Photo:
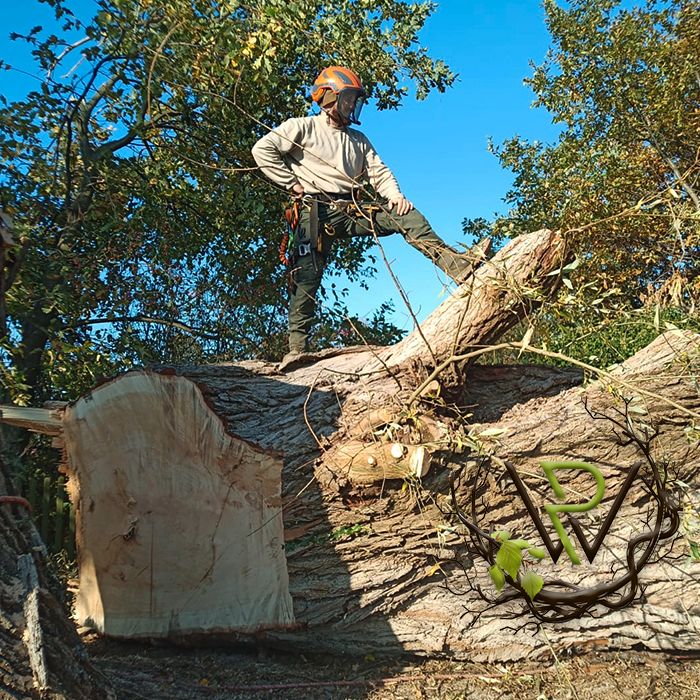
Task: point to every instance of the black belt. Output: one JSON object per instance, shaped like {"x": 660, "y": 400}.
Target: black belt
{"x": 333, "y": 197}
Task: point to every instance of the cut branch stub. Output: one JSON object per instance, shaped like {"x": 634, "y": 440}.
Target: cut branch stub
{"x": 367, "y": 463}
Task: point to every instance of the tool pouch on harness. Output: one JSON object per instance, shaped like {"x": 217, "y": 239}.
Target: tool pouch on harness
{"x": 301, "y": 240}
{"x": 302, "y": 237}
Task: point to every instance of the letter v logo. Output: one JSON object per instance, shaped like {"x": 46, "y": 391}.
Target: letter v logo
{"x": 554, "y": 509}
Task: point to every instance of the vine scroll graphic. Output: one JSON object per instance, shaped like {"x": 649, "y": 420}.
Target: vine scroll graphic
{"x": 556, "y": 599}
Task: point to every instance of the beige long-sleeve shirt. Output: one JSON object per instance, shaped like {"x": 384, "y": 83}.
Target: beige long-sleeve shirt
{"x": 322, "y": 158}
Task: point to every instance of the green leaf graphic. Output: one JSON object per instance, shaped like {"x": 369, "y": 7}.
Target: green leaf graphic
{"x": 497, "y": 576}
{"x": 537, "y": 552}
{"x": 532, "y": 583}
{"x": 509, "y": 558}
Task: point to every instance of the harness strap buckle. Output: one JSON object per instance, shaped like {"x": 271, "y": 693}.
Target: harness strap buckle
{"x": 304, "y": 249}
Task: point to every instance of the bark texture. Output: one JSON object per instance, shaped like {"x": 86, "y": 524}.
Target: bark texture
{"x": 41, "y": 653}
{"x": 363, "y": 560}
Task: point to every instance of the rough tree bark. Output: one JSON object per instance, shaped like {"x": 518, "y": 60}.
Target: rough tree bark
{"x": 41, "y": 655}
{"x": 377, "y": 559}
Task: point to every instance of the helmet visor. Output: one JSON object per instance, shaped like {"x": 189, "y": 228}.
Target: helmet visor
{"x": 350, "y": 104}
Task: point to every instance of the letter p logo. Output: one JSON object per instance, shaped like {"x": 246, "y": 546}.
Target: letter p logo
{"x": 553, "y": 509}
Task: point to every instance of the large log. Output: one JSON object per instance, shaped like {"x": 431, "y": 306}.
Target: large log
{"x": 363, "y": 561}
{"x": 383, "y": 564}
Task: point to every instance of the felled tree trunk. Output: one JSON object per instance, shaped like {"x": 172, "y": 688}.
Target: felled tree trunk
{"x": 376, "y": 558}
{"x": 42, "y": 655}
{"x": 385, "y": 567}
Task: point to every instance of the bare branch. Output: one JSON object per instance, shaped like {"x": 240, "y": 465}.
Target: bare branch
{"x": 64, "y": 53}
{"x": 146, "y": 319}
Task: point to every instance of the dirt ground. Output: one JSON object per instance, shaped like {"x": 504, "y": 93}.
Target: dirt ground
{"x": 139, "y": 671}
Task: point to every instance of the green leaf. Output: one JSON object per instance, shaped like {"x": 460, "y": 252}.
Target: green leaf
{"x": 537, "y": 552}
{"x": 509, "y": 558}
{"x": 523, "y": 544}
{"x": 572, "y": 265}
{"x": 501, "y": 535}
{"x": 694, "y": 551}
{"x": 532, "y": 583}
{"x": 499, "y": 580}
{"x": 493, "y": 432}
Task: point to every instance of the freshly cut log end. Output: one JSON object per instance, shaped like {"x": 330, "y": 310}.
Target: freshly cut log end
{"x": 420, "y": 462}
{"x": 367, "y": 463}
{"x": 179, "y": 524}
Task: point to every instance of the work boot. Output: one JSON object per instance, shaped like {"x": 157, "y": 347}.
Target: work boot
{"x": 292, "y": 360}
{"x": 295, "y": 355}
{"x": 471, "y": 259}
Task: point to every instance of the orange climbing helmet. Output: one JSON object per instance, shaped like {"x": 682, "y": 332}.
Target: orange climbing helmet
{"x": 346, "y": 85}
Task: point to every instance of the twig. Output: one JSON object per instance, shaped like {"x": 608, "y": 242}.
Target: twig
{"x": 552, "y": 355}
{"x": 306, "y": 403}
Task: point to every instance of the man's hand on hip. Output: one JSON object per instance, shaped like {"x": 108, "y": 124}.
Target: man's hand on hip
{"x": 400, "y": 205}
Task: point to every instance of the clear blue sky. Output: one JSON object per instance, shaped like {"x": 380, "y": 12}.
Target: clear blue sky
{"x": 437, "y": 147}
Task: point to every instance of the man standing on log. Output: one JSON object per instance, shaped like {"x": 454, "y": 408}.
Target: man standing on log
{"x": 324, "y": 164}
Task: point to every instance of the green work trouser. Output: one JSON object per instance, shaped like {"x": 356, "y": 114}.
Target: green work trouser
{"x": 335, "y": 223}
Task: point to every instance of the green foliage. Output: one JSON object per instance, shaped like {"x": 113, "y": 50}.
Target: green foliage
{"x": 621, "y": 182}
{"x": 602, "y": 336}
{"x": 145, "y": 233}
{"x": 532, "y": 583}
{"x": 537, "y": 552}
{"x": 497, "y": 576}
{"x": 509, "y": 560}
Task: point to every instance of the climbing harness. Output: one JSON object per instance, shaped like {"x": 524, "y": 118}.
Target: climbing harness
{"x": 291, "y": 215}
{"x": 291, "y": 247}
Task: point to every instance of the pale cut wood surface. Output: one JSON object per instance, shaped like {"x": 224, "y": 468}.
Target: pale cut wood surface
{"x": 179, "y": 523}
{"x": 40, "y": 420}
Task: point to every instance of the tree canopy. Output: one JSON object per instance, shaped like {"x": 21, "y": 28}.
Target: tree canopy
{"x": 622, "y": 180}
{"x": 144, "y": 232}
{"x": 625, "y": 86}
{"x": 143, "y": 229}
